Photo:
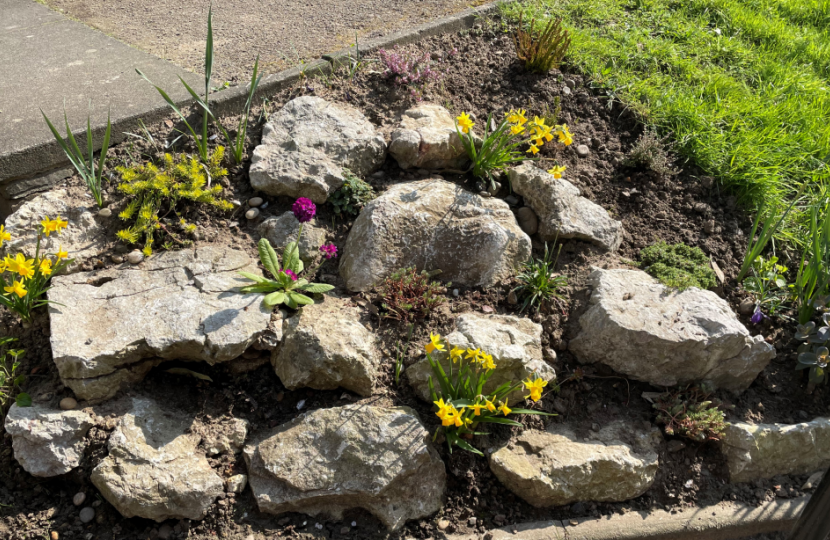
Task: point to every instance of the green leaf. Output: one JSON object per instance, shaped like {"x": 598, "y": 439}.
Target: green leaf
{"x": 23, "y": 400}
{"x": 274, "y": 299}
{"x": 290, "y": 302}
{"x": 317, "y": 288}
{"x": 498, "y": 420}
{"x": 189, "y": 373}
{"x": 260, "y": 288}
{"x": 253, "y": 277}
{"x": 467, "y": 446}
{"x": 291, "y": 257}
{"x": 531, "y": 411}
{"x": 268, "y": 256}
{"x": 301, "y": 299}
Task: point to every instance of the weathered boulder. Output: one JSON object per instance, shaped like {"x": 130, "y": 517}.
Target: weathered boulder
{"x": 358, "y": 456}
{"x": 555, "y": 467}
{"x": 306, "y": 145}
{"x": 766, "y": 450}
{"x": 666, "y": 337}
{"x": 427, "y": 139}
{"x": 563, "y": 212}
{"x": 433, "y": 224}
{"x": 47, "y": 442}
{"x": 84, "y": 237}
{"x": 515, "y": 343}
{"x": 283, "y": 229}
{"x": 176, "y": 305}
{"x": 154, "y": 469}
{"x": 326, "y": 347}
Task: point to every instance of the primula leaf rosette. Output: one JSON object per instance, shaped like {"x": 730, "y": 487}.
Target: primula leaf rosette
{"x": 460, "y": 399}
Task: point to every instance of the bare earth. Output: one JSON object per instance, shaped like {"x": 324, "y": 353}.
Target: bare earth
{"x": 282, "y": 32}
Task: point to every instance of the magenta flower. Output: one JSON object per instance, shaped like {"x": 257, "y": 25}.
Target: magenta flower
{"x": 291, "y": 274}
{"x": 329, "y": 250}
{"x": 304, "y": 209}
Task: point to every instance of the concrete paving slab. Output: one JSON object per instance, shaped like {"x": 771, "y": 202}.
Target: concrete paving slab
{"x": 50, "y": 60}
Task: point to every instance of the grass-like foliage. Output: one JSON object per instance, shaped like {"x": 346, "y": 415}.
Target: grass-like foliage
{"x": 650, "y": 152}
{"x": 460, "y": 398}
{"x": 813, "y": 353}
{"x": 812, "y": 282}
{"x": 155, "y": 192}
{"x": 11, "y": 377}
{"x": 84, "y": 164}
{"x": 237, "y": 142}
{"x": 758, "y": 240}
{"x": 352, "y": 195}
{"x": 678, "y": 265}
{"x": 408, "y": 294}
{"x": 538, "y": 281}
{"x": 541, "y": 51}
{"x": 691, "y": 413}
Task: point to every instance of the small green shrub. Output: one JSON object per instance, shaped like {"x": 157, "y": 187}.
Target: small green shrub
{"x": 155, "y": 190}
{"x": 650, "y": 152}
{"x": 538, "y": 281}
{"x": 408, "y": 294}
{"x": 691, "y": 414}
{"x": 542, "y": 51}
{"x": 352, "y": 195}
{"x": 678, "y": 265}
{"x": 11, "y": 377}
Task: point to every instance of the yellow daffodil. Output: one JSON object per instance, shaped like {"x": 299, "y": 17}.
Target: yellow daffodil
{"x": 476, "y": 407}
{"x": 46, "y": 267}
{"x": 2, "y": 267}
{"x": 4, "y": 236}
{"x": 489, "y": 406}
{"x": 538, "y": 142}
{"x": 515, "y": 130}
{"x": 50, "y": 225}
{"x": 520, "y": 117}
{"x": 10, "y": 264}
{"x": 16, "y": 288}
{"x": 23, "y": 266}
{"x": 533, "y": 149}
{"x": 534, "y": 387}
{"x": 487, "y": 361}
{"x": 434, "y": 343}
{"x": 60, "y": 224}
{"x": 465, "y": 122}
{"x": 565, "y": 136}
{"x": 472, "y": 354}
{"x": 504, "y": 408}
{"x": 61, "y": 254}
{"x": 557, "y": 171}
{"x": 456, "y": 353}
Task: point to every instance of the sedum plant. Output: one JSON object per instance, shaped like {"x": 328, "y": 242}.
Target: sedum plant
{"x": 24, "y": 281}
{"x": 501, "y": 148}
{"x": 154, "y": 191}
{"x": 542, "y": 51}
{"x": 538, "y": 282}
{"x": 814, "y": 354}
{"x": 461, "y": 402}
{"x": 690, "y": 413}
{"x": 288, "y": 286}
{"x": 352, "y": 195}
{"x": 408, "y": 294}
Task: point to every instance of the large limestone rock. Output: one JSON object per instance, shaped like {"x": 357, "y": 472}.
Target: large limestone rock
{"x": 283, "y": 229}
{"x": 767, "y": 450}
{"x": 515, "y": 343}
{"x": 563, "y": 212}
{"x": 84, "y": 237}
{"x": 326, "y": 347}
{"x": 434, "y": 225}
{"x": 427, "y": 139}
{"x": 555, "y": 467}
{"x": 154, "y": 469}
{"x": 306, "y": 144}
{"x": 47, "y": 442}
{"x": 111, "y": 324}
{"x": 666, "y": 337}
{"x": 358, "y": 456}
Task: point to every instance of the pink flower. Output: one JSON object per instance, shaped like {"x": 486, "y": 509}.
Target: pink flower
{"x": 291, "y": 274}
{"x": 329, "y": 250}
{"x": 303, "y": 209}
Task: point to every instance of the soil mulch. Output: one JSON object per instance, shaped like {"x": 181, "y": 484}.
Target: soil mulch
{"x": 481, "y": 76}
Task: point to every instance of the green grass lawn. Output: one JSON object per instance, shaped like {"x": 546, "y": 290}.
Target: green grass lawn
{"x": 743, "y": 85}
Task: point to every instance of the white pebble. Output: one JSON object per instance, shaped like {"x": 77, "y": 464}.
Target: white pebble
{"x": 253, "y": 213}
{"x": 79, "y": 498}
{"x": 254, "y": 201}
{"x": 300, "y": 404}
{"x": 135, "y": 257}
{"x": 68, "y": 403}
{"x": 105, "y": 212}
{"x": 455, "y": 292}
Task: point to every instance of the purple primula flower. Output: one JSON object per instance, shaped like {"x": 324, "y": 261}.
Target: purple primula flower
{"x": 291, "y": 274}
{"x": 303, "y": 209}
{"x": 329, "y": 250}
{"x": 758, "y": 316}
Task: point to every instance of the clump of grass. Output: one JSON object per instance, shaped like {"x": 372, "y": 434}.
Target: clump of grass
{"x": 352, "y": 195}
{"x": 650, "y": 152}
{"x": 538, "y": 281}
{"x": 11, "y": 377}
{"x": 678, "y": 265}
{"x": 408, "y": 294}
{"x": 544, "y": 50}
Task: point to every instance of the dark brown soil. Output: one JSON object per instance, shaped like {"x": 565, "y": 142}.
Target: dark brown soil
{"x": 482, "y": 76}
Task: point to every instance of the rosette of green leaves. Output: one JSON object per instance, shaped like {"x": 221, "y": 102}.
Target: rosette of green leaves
{"x": 282, "y": 289}
{"x": 814, "y": 354}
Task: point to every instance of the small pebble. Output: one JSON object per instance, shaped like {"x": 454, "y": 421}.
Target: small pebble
{"x": 87, "y": 514}
{"x": 472, "y": 521}
{"x": 104, "y": 212}
{"x": 511, "y": 298}
{"x": 253, "y": 213}
{"x": 79, "y": 499}
{"x": 165, "y": 532}
{"x": 117, "y": 259}
{"x": 595, "y": 427}
{"x": 254, "y": 201}
{"x": 747, "y": 306}
{"x": 455, "y": 292}
{"x": 68, "y": 403}
{"x": 571, "y": 83}
{"x": 264, "y": 205}
{"x": 710, "y": 226}
{"x": 443, "y": 524}
{"x": 300, "y": 404}
{"x": 135, "y": 257}
{"x": 582, "y": 150}
{"x": 566, "y": 90}
{"x": 54, "y": 535}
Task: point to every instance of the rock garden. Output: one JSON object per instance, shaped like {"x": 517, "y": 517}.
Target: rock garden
{"x": 446, "y": 288}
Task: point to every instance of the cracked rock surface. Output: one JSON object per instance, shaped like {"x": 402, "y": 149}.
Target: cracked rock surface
{"x": 109, "y": 327}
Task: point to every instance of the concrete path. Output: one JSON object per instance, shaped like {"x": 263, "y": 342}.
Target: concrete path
{"x": 49, "y": 60}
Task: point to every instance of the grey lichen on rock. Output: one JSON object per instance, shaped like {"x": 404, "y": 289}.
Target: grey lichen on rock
{"x": 358, "y": 456}
{"x": 556, "y": 467}
{"x": 665, "y": 337}
{"x": 306, "y": 145}
{"x": 427, "y": 139}
{"x": 433, "y": 225}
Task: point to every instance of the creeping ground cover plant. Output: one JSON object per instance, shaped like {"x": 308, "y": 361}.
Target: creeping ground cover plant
{"x": 288, "y": 286}
{"x": 461, "y": 401}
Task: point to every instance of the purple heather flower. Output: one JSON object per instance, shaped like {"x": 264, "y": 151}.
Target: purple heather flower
{"x": 329, "y": 250}
{"x": 303, "y": 209}
{"x": 291, "y": 274}
{"x": 758, "y": 316}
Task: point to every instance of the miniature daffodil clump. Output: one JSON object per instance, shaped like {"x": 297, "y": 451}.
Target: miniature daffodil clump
{"x": 461, "y": 400}
{"x": 24, "y": 280}
{"x": 513, "y": 141}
